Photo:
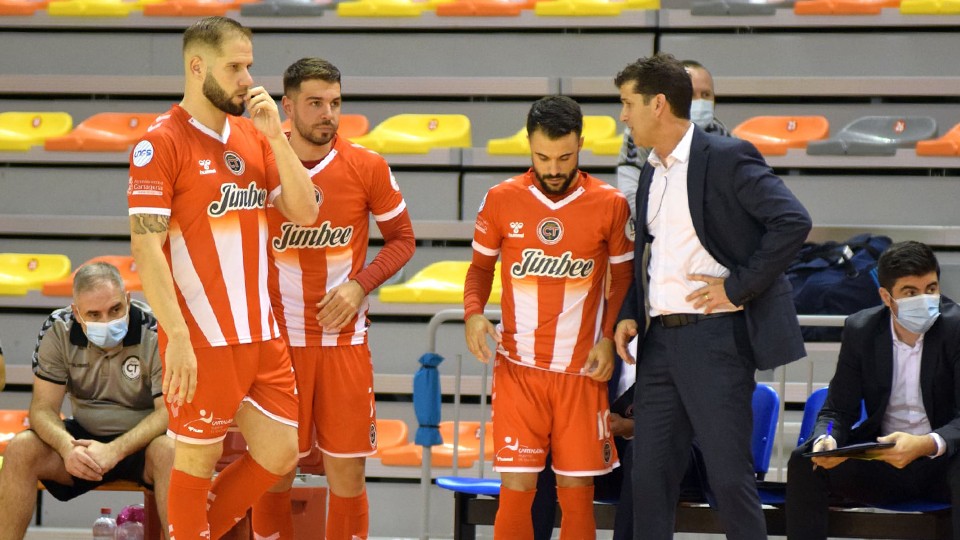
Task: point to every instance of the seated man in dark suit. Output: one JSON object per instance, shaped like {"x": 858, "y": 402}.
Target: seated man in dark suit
{"x": 902, "y": 359}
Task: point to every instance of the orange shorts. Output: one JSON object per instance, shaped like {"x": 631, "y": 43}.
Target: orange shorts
{"x": 258, "y": 373}
{"x": 536, "y": 411}
{"x": 337, "y": 405}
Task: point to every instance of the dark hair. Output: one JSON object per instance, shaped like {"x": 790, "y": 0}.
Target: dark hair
{"x": 904, "y": 259}
{"x": 308, "y": 69}
{"x": 660, "y": 74}
{"x": 555, "y": 116}
{"x": 211, "y": 31}
{"x": 92, "y": 275}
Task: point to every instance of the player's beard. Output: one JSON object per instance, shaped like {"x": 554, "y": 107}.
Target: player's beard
{"x": 306, "y": 132}
{"x": 568, "y": 179}
{"x": 219, "y": 97}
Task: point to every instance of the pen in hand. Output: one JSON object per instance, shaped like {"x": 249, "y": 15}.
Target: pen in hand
{"x": 830, "y": 428}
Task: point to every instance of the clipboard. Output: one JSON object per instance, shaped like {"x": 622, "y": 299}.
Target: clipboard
{"x": 851, "y": 451}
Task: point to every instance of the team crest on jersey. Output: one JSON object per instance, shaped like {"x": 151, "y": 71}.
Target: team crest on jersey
{"x": 607, "y": 452}
{"x": 373, "y": 435}
{"x": 234, "y": 162}
{"x": 131, "y": 368}
{"x": 550, "y": 231}
{"x": 318, "y": 195}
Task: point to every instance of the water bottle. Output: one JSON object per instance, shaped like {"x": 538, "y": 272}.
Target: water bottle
{"x": 104, "y": 527}
{"x": 130, "y": 523}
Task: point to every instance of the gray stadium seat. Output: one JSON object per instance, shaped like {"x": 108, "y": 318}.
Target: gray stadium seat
{"x": 285, "y": 8}
{"x": 876, "y": 136}
{"x": 735, "y": 7}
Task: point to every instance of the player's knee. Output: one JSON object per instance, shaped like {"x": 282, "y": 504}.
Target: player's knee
{"x": 281, "y": 459}
{"x": 160, "y": 453}
{"x": 25, "y": 450}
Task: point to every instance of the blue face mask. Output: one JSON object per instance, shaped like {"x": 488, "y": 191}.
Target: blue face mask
{"x": 701, "y": 112}
{"x": 918, "y": 313}
{"x": 109, "y": 334}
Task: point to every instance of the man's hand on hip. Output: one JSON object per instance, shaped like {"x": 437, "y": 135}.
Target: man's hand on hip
{"x": 711, "y": 296}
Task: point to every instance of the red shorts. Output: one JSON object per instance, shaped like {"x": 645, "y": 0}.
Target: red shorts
{"x": 536, "y": 411}
{"x": 258, "y": 373}
{"x": 337, "y": 405}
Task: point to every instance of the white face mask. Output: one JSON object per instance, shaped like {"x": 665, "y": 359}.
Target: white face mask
{"x": 701, "y": 112}
{"x": 108, "y": 334}
{"x": 918, "y": 313}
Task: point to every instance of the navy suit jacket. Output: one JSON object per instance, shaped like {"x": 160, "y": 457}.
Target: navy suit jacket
{"x": 748, "y": 220}
{"x": 865, "y": 372}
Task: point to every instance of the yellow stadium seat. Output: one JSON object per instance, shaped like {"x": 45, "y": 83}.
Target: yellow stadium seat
{"x": 439, "y": 283}
{"x": 579, "y": 8}
{"x": 103, "y": 132}
{"x": 609, "y": 146}
{"x": 381, "y": 8}
{"x": 595, "y": 129}
{"x": 417, "y": 133}
{"x": 20, "y": 272}
{"x": 642, "y": 4}
{"x": 91, "y": 8}
{"x": 21, "y": 130}
{"x": 930, "y": 7}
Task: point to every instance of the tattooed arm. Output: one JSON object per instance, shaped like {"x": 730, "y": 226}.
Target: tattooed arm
{"x": 148, "y": 232}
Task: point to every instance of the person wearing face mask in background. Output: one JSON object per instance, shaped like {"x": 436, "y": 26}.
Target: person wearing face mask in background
{"x": 902, "y": 359}
{"x": 632, "y": 157}
{"x": 103, "y": 351}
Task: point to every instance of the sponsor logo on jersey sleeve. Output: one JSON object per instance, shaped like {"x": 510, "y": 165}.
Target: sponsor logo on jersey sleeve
{"x": 140, "y": 186}
{"x": 142, "y": 153}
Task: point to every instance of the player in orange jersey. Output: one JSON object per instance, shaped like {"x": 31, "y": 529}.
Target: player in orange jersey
{"x": 556, "y": 229}
{"x": 200, "y": 181}
{"x": 319, "y": 288}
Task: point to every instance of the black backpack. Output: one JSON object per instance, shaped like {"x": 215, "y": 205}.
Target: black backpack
{"x": 836, "y": 278}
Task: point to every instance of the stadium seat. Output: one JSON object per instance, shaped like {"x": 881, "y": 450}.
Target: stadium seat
{"x": 11, "y": 423}
{"x": 410, "y": 454}
{"x": 948, "y": 145}
{"x": 189, "y": 8}
{"x": 579, "y": 8}
{"x": 842, "y": 7}
{"x": 470, "y": 436}
{"x": 381, "y": 8}
{"x": 876, "y": 136}
{"x": 484, "y": 8}
{"x": 773, "y": 135}
{"x": 733, "y": 8}
{"x": 20, "y": 8}
{"x": 21, "y": 130}
{"x": 20, "y": 272}
{"x": 124, "y": 263}
{"x": 596, "y": 130}
{"x": 286, "y": 8}
{"x": 930, "y": 7}
{"x": 91, "y": 8}
{"x": 438, "y": 283}
{"x": 103, "y": 132}
{"x": 417, "y": 133}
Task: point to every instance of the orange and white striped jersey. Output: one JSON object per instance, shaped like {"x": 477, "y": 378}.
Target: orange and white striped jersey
{"x": 351, "y": 183}
{"x": 554, "y": 257}
{"x": 213, "y": 186}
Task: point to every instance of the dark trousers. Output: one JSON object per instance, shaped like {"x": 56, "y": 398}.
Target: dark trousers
{"x": 695, "y": 380}
{"x": 810, "y": 492}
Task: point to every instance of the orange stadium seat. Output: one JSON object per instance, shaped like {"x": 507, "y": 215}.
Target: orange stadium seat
{"x": 103, "y": 132}
{"x": 410, "y": 454}
{"x": 21, "y": 272}
{"x": 11, "y": 423}
{"x": 189, "y": 8}
{"x": 391, "y": 433}
{"x": 21, "y": 7}
{"x": 21, "y": 130}
{"x": 470, "y": 436}
{"x": 417, "y": 133}
{"x": 843, "y": 7}
{"x": 91, "y": 8}
{"x": 773, "y": 135}
{"x": 484, "y": 8}
{"x": 948, "y": 145}
{"x": 124, "y": 263}
{"x": 351, "y": 126}
{"x": 930, "y": 7}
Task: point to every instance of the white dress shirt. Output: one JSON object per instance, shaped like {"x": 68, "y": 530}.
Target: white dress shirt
{"x": 676, "y": 250}
{"x": 905, "y": 411}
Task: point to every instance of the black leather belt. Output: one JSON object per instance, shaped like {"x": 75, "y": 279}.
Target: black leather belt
{"x": 682, "y": 319}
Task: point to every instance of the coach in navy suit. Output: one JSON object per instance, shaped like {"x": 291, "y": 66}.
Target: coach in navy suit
{"x": 721, "y": 230}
